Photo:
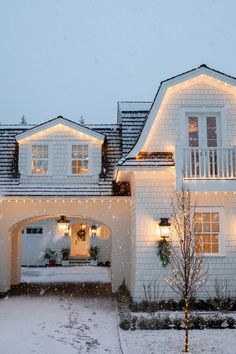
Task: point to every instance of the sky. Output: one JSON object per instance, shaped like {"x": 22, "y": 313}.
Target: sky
{"x": 80, "y": 57}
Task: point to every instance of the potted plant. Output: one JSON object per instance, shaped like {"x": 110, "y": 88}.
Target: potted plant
{"x": 50, "y": 257}
{"x": 94, "y": 255}
{"x": 65, "y": 252}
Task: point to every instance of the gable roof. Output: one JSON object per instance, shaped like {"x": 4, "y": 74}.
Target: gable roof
{"x": 60, "y": 120}
{"x": 164, "y": 85}
{"x": 10, "y": 180}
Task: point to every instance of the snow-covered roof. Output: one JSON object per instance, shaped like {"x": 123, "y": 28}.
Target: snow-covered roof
{"x": 148, "y": 160}
{"x": 9, "y": 180}
{"x": 131, "y": 116}
{"x": 123, "y": 143}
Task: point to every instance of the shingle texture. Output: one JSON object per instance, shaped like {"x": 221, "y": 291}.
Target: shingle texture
{"x": 120, "y": 138}
{"x": 132, "y": 117}
{"x": 9, "y": 185}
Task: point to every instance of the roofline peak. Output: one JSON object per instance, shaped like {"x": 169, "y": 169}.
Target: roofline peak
{"x": 204, "y": 66}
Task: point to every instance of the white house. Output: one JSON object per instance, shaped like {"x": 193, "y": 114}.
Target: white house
{"x": 122, "y": 177}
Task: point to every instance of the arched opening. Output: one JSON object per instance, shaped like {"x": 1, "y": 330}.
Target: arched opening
{"x": 39, "y": 251}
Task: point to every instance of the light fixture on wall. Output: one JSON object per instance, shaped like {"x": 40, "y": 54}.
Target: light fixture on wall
{"x": 63, "y": 225}
{"x": 164, "y": 225}
{"x": 94, "y": 230}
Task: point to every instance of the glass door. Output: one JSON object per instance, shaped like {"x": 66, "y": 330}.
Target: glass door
{"x": 203, "y": 140}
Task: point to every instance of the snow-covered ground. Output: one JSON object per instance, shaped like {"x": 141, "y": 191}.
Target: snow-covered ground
{"x": 211, "y": 341}
{"x": 48, "y": 325}
{"x": 79, "y": 325}
{"x": 81, "y": 274}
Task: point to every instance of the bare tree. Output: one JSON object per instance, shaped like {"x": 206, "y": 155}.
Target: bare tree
{"x": 188, "y": 271}
{"x": 82, "y": 120}
{"x": 152, "y": 294}
{"x": 23, "y": 120}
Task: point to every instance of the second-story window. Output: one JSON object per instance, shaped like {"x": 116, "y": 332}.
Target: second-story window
{"x": 79, "y": 159}
{"x": 39, "y": 159}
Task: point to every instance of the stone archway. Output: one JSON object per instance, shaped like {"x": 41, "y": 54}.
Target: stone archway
{"x": 16, "y": 213}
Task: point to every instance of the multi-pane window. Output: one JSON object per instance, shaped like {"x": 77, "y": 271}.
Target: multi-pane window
{"x": 193, "y": 135}
{"x": 202, "y": 130}
{"x": 79, "y": 159}
{"x": 207, "y": 229}
{"x": 39, "y": 159}
{"x": 211, "y": 131}
{"x": 37, "y": 230}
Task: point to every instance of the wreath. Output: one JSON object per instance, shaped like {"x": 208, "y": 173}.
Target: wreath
{"x": 163, "y": 250}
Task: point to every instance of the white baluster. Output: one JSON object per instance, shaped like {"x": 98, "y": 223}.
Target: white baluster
{"x": 231, "y": 163}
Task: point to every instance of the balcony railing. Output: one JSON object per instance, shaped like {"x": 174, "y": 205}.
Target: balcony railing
{"x": 208, "y": 163}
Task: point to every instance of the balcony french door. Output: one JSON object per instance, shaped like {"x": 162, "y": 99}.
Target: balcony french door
{"x": 204, "y": 140}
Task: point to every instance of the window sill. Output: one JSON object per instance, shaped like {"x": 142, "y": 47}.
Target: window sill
{"x": 82, "y": 175}
{"x": 209, "y": 255}
{"x": 39, "y": 175}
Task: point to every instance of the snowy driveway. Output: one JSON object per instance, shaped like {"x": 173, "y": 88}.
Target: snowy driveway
{"x": 79, "y": 325}
{"x": 48, "y": 325}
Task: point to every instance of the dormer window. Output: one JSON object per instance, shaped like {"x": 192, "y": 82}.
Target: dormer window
{"x": 79, "y": 159}
{"x": 39, "y": 165}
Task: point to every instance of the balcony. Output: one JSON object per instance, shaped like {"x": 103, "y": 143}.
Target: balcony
{"x": 206, "y": 168}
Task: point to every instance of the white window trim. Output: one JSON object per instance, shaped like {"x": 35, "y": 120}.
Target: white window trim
{"x": 218, "y": 111}
{"x": 29, "y": 167}
{"x": 219, "y": 210}
{"x": 69, "y": 160}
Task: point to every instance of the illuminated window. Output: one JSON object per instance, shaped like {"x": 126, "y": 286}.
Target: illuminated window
{"x": 105, "y": 232}
{"x": 39, "y": 159}
{"x": 193, "y": 135}
{"x": 207, "y": 229}
{"x": 79, "y": 162}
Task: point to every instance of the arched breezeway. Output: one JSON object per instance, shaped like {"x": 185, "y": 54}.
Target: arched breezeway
{"x": 16, "y": 214}
{"x": 72, "y": 246}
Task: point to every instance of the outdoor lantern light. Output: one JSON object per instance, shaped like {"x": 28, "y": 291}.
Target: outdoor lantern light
{"x": 94, "y": 230}
{"x": 63, "y": 225}
{"x": 164, "y": 225}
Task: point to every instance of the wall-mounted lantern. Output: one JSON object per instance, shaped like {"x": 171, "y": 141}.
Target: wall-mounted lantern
{"x": 63, "y": 225}
{"x": 94, "y": 230}
{"x": 164, "y": 225}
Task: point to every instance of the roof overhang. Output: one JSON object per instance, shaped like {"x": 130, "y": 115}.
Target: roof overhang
{"x": 63, "y": 122}
{"x": 124, "y": 173}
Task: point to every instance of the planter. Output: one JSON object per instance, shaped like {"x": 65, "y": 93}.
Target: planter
{"x": 94, "y": 262}
{"x": 52, "y": 263}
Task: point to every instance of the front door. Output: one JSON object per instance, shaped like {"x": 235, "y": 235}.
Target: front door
{"x": 80, "y": 240}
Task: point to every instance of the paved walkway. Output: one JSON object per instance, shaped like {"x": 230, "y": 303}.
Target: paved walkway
{"x": 75, "y": 274}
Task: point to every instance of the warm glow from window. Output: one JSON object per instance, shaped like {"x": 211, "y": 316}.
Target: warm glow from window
{"x": 207, "y": 228}
{"x": 105, "y": 232}
{"x": 39, "y": 159}
{"x": 79, "y": 159}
